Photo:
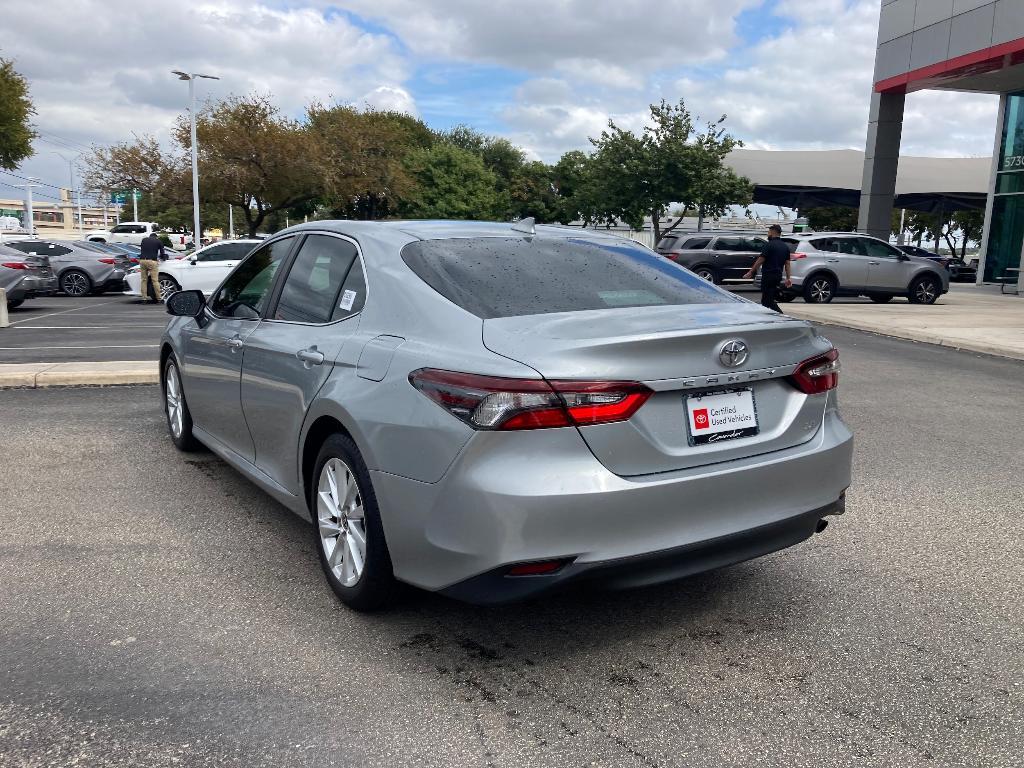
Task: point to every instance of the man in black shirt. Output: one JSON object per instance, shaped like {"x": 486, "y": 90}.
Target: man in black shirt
{"x": 773, "y": 260}
{"x": 149, "y": 264}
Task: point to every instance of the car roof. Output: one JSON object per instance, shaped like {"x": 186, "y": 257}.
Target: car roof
{"x": 406, "y": 230}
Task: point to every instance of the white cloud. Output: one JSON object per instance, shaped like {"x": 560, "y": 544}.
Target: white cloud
{"x": 100, "y": 72}
{"x": 391, "y": 98}
{"x": 621, "y": 40}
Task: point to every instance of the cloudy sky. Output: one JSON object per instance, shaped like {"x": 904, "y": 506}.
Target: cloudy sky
{"x": 545, "y": 73}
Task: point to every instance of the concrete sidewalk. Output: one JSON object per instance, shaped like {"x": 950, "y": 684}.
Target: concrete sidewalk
{"x": 975, "y": 318}
{"x": 32, "y": 375}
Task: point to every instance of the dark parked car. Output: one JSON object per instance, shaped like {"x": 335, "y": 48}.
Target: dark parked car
{"x": 714, "y": 256}
{"x": 959, "y": 270}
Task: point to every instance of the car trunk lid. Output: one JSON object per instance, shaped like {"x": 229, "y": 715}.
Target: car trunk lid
{"x": 675, "y": 350}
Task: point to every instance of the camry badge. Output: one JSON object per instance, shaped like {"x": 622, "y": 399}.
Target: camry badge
{"x": 734, "y": 352}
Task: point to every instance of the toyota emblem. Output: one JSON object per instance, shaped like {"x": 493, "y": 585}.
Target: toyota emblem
{"x": 734, "y": 353}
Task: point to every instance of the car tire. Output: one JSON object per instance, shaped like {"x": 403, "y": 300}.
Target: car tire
{"x": 347, "y": 529}
{"x": 179, "y": 418}
{"x": 74, "y": 282}
{"x": 707, "y": 273}
{"x": 819, "y": 289}
{"x": 15, "y": 303}
{"x": 880, "y": 298}
{"x": 924, "y": 290}
{"x": 168, "y": 285}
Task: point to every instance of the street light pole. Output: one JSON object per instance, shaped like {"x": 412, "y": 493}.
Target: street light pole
{"x": 29, "y": 213}
{"x": 197, "y": 233}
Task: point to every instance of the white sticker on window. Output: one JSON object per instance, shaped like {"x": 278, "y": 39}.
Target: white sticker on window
{"x": 348, "y": 298}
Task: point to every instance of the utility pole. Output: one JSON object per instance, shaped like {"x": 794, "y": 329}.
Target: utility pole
{"x": 71, "y": 178}
{"x": 231, "y": 222}
{"x": 29, "y": 213}
{"x": 135, "y": 205}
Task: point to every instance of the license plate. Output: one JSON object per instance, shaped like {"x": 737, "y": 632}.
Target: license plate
{"x": 721, "y": 416}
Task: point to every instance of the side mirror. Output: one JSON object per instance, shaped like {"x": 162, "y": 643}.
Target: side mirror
{"x": 193, "y": 262}
{"x": 903, "y": 257}
{"x": 186, "y": 303}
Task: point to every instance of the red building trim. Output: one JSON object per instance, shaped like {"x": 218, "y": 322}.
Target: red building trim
{"x": 975, "y": 63}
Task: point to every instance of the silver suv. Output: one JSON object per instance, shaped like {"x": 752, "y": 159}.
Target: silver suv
{"x": 830, "y": 264}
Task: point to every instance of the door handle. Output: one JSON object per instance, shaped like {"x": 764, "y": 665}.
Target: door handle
{"x": 235, "y": 343}
{"x": 873, "y": 263}
{"x": 310, "y": 356}
{"x": 832, "y": 261}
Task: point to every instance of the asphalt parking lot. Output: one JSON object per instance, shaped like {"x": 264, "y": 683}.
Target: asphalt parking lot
{"x": 60, "y": 328}
{"x": 159, "y": 610}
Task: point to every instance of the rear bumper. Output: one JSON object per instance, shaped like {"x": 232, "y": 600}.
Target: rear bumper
{"x": 39, "y": 286}
{"x": 654, "y": 568}
{"x": 517, "y": 497}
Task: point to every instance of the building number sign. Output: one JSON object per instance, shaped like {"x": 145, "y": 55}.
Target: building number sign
{"x": 1014, "y": 161}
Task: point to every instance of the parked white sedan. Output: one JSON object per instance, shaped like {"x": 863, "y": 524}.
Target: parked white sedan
{"x": 201, "y": 271}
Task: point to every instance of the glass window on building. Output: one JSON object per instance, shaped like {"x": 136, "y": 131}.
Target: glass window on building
{"x": 1006, "y": 231}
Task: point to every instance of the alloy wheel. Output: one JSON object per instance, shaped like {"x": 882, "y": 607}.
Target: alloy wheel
{"x": 172, "y": 396}
{"x": 167, "y": 287}
{"x": 821, "y": 290}
{"x": 706, "y": 274}
{"x": 342, "y": 522}
{"x": 75, "y": 284}
{"x": 926, "y": 292}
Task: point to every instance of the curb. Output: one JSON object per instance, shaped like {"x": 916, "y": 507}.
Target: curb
{"x": 922, "y": 337}
{"x": 39, "y": 375}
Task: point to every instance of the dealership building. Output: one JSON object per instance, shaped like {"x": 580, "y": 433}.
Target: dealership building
{"x": 959, "y": 45}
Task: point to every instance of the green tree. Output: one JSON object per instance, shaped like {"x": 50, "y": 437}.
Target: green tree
{"x": 838, "y": 218}
{"x": 958, "y": 227}
{"x": 16, "y": 110}
{"x": 451, "y": 183}
{"x": 254, "y": 158}
{"x": 365, "y": 176}
{"x": 669, "y": 162}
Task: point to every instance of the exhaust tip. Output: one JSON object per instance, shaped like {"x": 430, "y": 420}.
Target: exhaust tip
{"x": 822, "y": 525}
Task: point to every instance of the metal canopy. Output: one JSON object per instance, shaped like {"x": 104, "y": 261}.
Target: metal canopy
{"x": 805, "y": 179}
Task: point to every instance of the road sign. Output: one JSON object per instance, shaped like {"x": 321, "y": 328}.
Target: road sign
{"x": 120, "y": 198}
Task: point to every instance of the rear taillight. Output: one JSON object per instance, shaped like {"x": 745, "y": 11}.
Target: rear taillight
{"x": 15, "y": 265}
{"x": 495, "y": 403}
{"x": 107, "y": 261}
{"x": 798, "y": 256}
{"x": 819, "y": 374}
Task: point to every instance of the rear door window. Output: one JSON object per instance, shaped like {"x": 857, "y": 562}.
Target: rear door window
{"x": 507, "y": 277}
{"x": 729, "y": 244}
{"x": 313, "y": 287}
{"x": 876, "y": 249}
{"x": 697, "y": 243}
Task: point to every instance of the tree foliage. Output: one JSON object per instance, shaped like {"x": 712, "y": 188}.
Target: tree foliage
{"x": 16, "y": 110}
{"x": 451, "y": 183}
{"x": 632, "y": 175}
{"x": 339, "y": 161}
{"x": 363, "y": 152}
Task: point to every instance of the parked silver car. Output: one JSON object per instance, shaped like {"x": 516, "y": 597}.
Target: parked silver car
{"x": 81, "y": 268}
{"x": 24, "y": 277}
{"x": 492, "y": 410}
{"x": 830, "y": 264}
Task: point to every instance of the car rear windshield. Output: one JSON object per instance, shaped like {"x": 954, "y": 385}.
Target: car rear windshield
{"x": 507, "y": 277}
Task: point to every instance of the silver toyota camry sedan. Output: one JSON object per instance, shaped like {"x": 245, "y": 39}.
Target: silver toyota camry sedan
{"x": 493, "y": 410}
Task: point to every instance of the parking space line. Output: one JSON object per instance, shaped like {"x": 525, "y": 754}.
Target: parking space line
{"x": 62, "y": 312}
{"x": 105, "y": 346}
{"x": 86, "y": 327}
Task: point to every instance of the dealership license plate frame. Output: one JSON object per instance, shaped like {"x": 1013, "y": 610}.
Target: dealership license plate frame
{"x": 707, "y": 439}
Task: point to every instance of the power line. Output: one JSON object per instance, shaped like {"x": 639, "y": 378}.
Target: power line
{"x": 34, "y": 181}
{"x": 37, "y": 194}
{"x": 66, "y": 143}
